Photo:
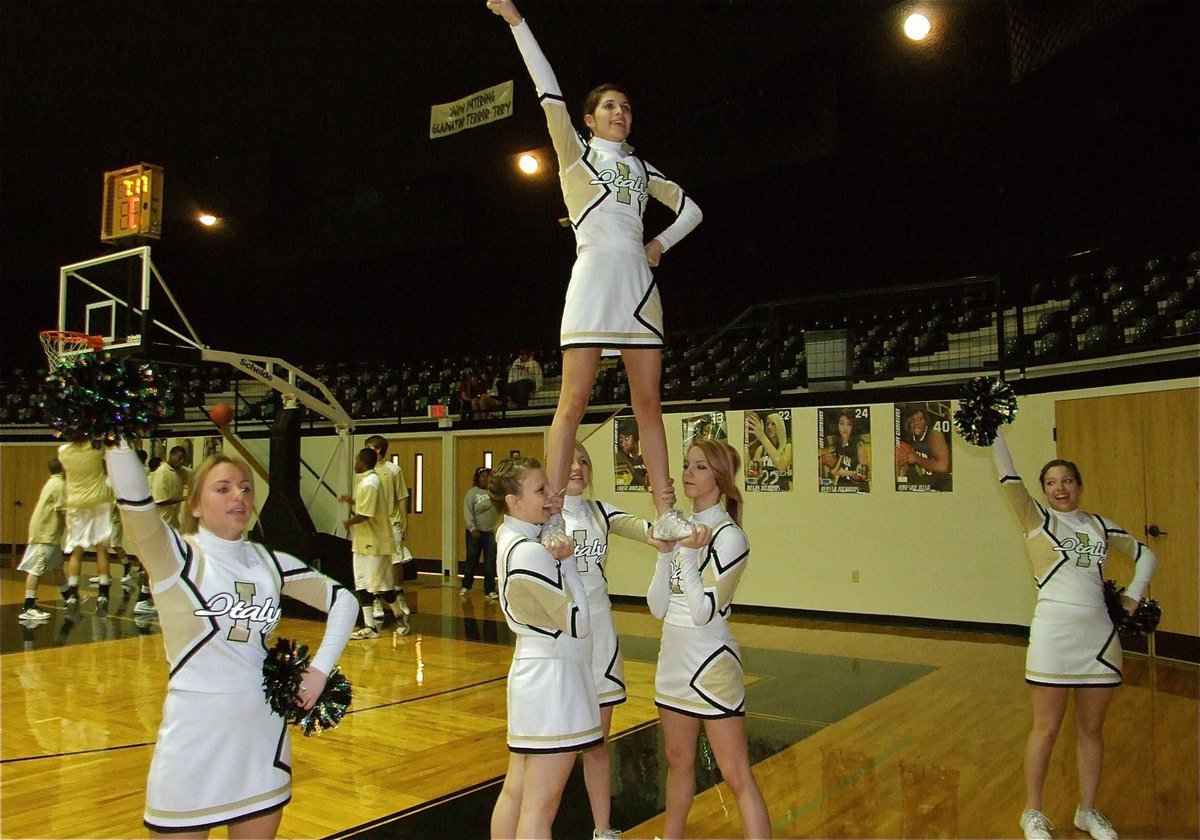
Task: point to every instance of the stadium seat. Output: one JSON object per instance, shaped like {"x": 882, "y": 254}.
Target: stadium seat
{"x": 1098, "y": 339}
{"x": 1052, "y": 322}
{"x": 1050, "y": 346}
{"x": 1144, "y": 333}
{"x": 1087, "y": 316}
{"x": 1130, "y": 311}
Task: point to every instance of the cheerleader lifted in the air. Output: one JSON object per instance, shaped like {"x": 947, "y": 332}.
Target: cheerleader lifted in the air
{"x": 612, "y": 303}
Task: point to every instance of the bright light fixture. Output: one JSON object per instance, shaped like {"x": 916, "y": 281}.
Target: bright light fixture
{"x": 916, "y": 27}
{"x": 528, "y": 164}
{"x": 207, "y": 219}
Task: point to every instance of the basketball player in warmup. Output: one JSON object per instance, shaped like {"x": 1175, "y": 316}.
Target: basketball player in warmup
{"x": 89, "y": 516}
{"x": 692, "y": 592}
{"x": 222, "y": 757}
{"x": 590, "y": 523}
{"x": 391, "y": 474}
{"x": 1072, "y": 641}
{"x": 552, "y": 711}
{"x": 43, "y": 552}
{"x": 370, "y": 528}
{"x": 612, "y": 303}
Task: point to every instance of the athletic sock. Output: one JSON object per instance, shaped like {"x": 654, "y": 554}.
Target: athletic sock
{"x": 30, "y": 600}
{"x": 368, "y": 617}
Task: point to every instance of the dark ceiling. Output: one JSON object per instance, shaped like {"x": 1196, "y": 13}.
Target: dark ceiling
{"x": 827, "y": 152}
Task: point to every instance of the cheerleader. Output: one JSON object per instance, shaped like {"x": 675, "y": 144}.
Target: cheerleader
{"x": 590, "y": 523}
{"x": 552, "y": 710}
{"x": 700, "y": 677}
{"x": 1072, "y": 640}
{"x": 221, "y": 757}
{"x": 612, "y": 303}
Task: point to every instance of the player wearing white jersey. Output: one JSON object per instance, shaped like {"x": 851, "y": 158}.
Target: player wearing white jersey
{"x": 699, "y": 680}
{"x": 612, "y": 303}
{"x": 552, "y": 711}
{"x": 221, "y": 757}
{"x": 1072, "y": 640}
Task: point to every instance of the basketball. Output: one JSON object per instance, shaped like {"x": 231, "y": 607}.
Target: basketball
{"x": 221, "y": 414}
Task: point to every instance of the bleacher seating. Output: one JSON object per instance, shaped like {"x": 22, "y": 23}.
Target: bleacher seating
{"x": 943, "y": 330}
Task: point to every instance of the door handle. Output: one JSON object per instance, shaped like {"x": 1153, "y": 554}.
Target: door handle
{"x": 1154, "y": 532}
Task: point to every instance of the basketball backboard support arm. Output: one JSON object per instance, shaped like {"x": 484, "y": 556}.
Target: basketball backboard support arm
{"x": 282, "y": 376}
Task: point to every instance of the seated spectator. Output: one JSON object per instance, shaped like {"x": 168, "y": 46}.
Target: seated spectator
{"x": 524, "y": 378}
{"x": 489, "y": 399}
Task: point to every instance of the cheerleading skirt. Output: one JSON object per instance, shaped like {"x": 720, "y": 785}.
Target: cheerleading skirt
{"x": 551, "y": 698}
{"x": 601, "y": 646}
{"x": 700, "y": 672}
{"x": 612, "y": 302}
{"x": 1072, "y": 645}
{"x": 219, "y": 758}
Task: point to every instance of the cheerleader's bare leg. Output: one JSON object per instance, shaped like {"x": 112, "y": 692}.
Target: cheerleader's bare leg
{"x": 643, "y": 366}
{"x": 508, "y": 805}
{"x": 597, "y": 775}
{"x": 679, "y": 733}
{"x": 545, "y": 778}
{"x": 732, "y": 751}
{"x": 578, "y": 378}
{"x": 1049, "y": 704}
{"x": 1091, "y": 705}
{"x": 262, "y": 827}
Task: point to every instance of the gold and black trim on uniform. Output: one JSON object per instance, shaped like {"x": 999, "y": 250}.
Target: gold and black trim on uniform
{"x": 184, "y": 549}
{"x": 712, "y": 555}
{"x": 509, "y": 574}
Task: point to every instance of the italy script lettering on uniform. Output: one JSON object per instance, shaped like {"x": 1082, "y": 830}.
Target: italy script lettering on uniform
{"x": 1081, "y": 545}
{"x": 621, "y": 180}
{"x": 224, "y": 603}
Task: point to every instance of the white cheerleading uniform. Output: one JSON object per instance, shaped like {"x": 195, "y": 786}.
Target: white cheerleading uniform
{"x": 590, "y": 523}
{"x": 699, "y": 662}
{"x": 1072, "y": 640}
{"x": 221, "y": 754}
{"x": 551, "y": 699}
{"x": 612, "y": 300}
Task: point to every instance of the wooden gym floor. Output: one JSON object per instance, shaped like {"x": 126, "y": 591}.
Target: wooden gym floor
{"x": 856, "y": 731}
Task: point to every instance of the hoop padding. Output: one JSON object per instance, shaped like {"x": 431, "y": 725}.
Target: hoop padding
{"x": 63, "y": 345}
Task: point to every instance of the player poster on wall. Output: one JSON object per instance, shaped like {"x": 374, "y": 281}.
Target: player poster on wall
{"x": 924, "y": 460}
{"x": 629, "y": 469}
{"x": 768, "y": 440}
{"x": 710, "y": 425}
{"x": 844, "y": 443}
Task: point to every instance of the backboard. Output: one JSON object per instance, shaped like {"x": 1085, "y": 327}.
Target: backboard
{"x": 122, "y": 298}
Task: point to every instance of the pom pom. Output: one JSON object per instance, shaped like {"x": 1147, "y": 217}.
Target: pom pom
{"x": 985, "y": 405}
{"x": 282, "y": 670}
{"x": 1144, "y": 619}
{"x": 330, "y": 707}
{"x": 102, "y": 399}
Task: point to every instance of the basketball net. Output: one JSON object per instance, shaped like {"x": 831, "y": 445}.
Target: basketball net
{"x": 62, "y": 346}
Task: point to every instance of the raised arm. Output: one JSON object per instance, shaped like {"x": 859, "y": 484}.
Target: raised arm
{"x": 1027, "y": 509}
{"x": 155, "y": 543}
{"x": 563, "y": 136}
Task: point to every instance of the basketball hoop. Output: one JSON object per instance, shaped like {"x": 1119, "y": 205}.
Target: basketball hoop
{"x": 62, "y": 345}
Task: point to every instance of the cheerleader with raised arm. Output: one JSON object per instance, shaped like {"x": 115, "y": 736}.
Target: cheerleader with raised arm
{"x": 700, "y": 678}
{"x": 552, "y": 710}
{"x": 1073, "y": 643}
{"x": 222, "y": 757}
{"x": 612, "y": 303}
